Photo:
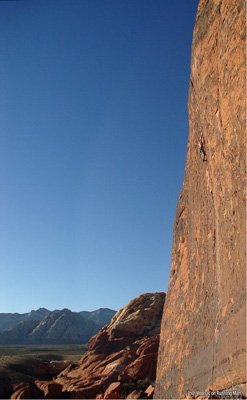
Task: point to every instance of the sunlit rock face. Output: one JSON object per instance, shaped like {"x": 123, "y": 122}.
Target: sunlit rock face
{"x": 202, "y": 342}
{"x": 122, "y": 356}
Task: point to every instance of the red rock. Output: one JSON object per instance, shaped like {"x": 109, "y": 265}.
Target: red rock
{"x": 143, "y": 367}
{"x": 113, "y": 391}
{"x": 124, "y": 342}
{"x": 136, "y": 394}
{"x": 148, "y": 345}
{"x": 26, "y": 391}
{"x": 203, "y": 334}
{"x": 149, "y": 392}
{"x": 51, "y": 390}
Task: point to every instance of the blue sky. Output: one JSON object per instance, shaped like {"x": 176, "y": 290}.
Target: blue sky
{"x": 93, "y": 143}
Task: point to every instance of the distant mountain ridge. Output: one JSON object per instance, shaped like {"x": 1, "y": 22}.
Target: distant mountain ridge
{"x": 43, "y": 326}
{"x": 9, "y": 320}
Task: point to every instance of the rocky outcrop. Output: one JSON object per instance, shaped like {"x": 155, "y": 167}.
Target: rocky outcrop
{"x": 113, "y": 391}
{"x": 50, "y": 390}
{"x": 202, "y": 343}
{"x": 124, "y": 353}
{"x": 26, "y": 391}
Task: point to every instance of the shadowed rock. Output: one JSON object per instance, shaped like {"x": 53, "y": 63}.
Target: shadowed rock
{"x": 26, "y": 391}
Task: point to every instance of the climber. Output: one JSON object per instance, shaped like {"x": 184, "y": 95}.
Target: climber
{"x": 201, "y": 149}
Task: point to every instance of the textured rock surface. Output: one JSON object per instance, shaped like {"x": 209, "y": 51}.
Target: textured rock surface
{"x": 136, "y": 394}
{"x": 202, "y": 342}
{"x": 50, "y": 389}
{"x": 125, "y": 351}
{"x": 113, "y": 391}
{"x": 26, "y": 391}
{"x": 149, "y": 392}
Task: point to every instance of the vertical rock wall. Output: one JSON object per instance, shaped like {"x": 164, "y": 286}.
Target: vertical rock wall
{"x": 203, "y": 334}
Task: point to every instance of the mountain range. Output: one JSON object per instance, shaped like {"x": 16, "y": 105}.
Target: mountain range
{"x": 43, "y": 326}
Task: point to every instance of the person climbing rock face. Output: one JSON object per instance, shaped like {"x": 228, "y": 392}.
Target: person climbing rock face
{"x": 201, "y": 149}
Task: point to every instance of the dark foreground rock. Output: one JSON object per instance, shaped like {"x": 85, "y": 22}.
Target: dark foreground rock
{"x": 26, "y": 391}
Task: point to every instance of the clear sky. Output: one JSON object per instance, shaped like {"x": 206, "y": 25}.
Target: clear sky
{"x": 93, "y": 143}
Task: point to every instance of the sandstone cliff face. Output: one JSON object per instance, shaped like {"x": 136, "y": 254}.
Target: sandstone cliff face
{"x": 202, "y": 342}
